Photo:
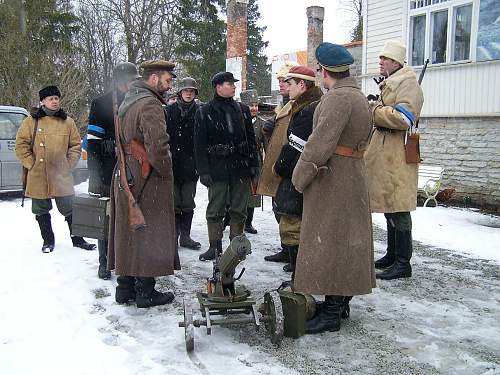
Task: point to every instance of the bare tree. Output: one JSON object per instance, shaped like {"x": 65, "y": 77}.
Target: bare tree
{"x": 355, "y": 7}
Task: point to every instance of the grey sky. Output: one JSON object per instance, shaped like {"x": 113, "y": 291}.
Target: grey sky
{"x": 286, "y": 23}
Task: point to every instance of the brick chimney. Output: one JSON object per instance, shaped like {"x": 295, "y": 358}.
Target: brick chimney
{"x": 315, "y": 17}
{"x": 237, "y": 40}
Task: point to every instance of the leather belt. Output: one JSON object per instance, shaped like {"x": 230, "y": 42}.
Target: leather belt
{"x": 349, "y": 152}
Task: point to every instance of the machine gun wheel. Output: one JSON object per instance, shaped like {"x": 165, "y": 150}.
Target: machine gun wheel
{"x": 273, "y": 310}
{"x": 188, "y": 325}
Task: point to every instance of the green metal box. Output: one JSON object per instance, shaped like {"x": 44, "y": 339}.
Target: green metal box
{"x": 294, "y": 311}
{"x": 90, "y": 216}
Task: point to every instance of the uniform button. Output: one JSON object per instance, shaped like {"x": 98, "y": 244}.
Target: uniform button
{"x": 39, "y": 129}
{"x": 41, "y": 144}
{"x": 41, "y": 159}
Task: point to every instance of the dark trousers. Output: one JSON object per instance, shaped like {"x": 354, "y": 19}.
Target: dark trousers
{"x": 234, "y": 192}
{"x": 43, "y": 206}
{"x": 184, "y": 194}
{"x": 401, "y": 221}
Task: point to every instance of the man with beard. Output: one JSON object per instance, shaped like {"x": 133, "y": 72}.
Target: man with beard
{"x": 140, "y": 255}
{"x": 180, "y": 128}
{"x": 101, "y": 145}
{"x": 226, "y": 159}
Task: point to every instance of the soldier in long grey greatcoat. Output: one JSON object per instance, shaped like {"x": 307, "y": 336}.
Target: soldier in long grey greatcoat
{"x": 336, "y": 246}
{"x": 141, "y": 255}
{"x": 392, "y": 181}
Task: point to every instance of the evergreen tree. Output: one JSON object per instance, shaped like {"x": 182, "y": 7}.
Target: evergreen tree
{"x": 201, "y": 48}
{"x": 36, "y": 48}
{"x": 258, "y": 71}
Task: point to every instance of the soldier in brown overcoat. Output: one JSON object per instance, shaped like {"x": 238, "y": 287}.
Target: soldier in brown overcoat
{"x": 138, "y": 256}
{"x": 336, "y": 246}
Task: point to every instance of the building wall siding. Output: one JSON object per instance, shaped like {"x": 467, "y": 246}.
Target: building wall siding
{"x": 383, "y": 22}
{"x": 469, "y": 150}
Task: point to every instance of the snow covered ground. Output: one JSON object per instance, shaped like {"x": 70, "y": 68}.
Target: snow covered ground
{"x": 57, "y": 317}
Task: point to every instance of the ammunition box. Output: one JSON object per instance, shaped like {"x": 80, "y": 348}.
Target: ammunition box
{"x": 294, "y": 311}
{"x": 90, "y": 217}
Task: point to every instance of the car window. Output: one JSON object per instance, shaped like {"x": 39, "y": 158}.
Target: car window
{"x": 9, "y": 123}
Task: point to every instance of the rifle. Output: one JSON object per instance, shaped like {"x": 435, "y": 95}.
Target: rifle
{"x": 135, "y": 217}
{"x": 422, "y": 73}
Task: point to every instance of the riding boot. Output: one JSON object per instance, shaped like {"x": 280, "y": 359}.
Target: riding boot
{"x": 215, "y": 239}
{"x": 401, "y": 267}
{"x": 147, "y": 295}
{"x": 388, "y": 259}
{"x": 185, "y": 234}
{"x": 346, "y": 309}
{"x": 47, "y": 233}
{"x": 292, "y": 251}
{"x": 125, "y": 290}
{"x": 282, "y": 256}
{"x": 103, "y": 272}
{"x": 77, "y": 240}
{"x": 235, "y": 229}
{"x": 248, "y": 222}
{"x": 329, "y": 316}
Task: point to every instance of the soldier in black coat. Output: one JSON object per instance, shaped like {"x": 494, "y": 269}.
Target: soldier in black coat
{"x": 226, "y": 159}
{"x": 100, "y": 140}
{"x": 288, "y": 201}
{"x": 180, "y": 128}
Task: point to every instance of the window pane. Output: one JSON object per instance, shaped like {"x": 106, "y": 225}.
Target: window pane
{"x": 439, "y": 36}
{"x": 9, "y": 123}
{"x": 463, "y": 21}
{"x": 489, "y": 31}
{"x": 417, "y": 40}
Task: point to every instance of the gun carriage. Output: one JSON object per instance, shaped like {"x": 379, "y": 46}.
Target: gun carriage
{"x": 224, "y": 303}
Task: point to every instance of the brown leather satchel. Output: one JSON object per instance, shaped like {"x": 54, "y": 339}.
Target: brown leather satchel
{"x": 412, "y": 148}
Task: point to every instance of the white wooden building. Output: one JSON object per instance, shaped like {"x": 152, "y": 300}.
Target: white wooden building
{"x": 460, "y": 123}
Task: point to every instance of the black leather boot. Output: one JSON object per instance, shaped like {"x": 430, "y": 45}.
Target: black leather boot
{"x": 125, "y": 290}
{"x": 292, "y": 251}
{"x": 47, "y": 233}
{"x": 346, "y": 309}
{"x": 103, "y": 272}
{"x": 77, "y": 240}
{"x": 248, "y": 222}
{"x": 185, "y": 232}
{"x": 401, "y": 267}
{"x": 282, "y": 256}
{"x": 215, "y": 238}
{"x": 388, "y": 259}
{"x": 329, "y": 316}
{"x": 215, "y": 246}
{"x": 147, "y": 295}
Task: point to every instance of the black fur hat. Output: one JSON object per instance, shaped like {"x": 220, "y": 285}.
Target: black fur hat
{"x": 49, "y": 91}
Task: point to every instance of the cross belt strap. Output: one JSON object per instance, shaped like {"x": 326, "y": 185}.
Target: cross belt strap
{"x": 349, "y": 152}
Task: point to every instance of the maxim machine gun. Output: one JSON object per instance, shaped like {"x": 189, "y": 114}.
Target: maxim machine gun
{"x": 230, "y": 303}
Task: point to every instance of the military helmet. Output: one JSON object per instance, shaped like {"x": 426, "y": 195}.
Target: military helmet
{"x": 188, "y": 83}
{"x": 249, "y": 96}
{"x": 125, "y": 72}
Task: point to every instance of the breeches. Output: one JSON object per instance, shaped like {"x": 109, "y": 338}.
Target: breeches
{"x": 43, "y": 206}
{"x": 235, "y": 193}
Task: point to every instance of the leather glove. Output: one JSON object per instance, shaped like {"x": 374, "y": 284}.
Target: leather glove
{"x": 268, "y": 126}
{"x": 206, "y": 180}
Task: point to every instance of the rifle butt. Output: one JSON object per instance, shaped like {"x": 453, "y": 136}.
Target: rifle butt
{"x": 135, "y": 216}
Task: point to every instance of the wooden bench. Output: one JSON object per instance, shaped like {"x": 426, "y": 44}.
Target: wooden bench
{"x": 429, "y": 181}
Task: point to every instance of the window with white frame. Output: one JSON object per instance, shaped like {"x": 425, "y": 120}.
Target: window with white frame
{"x": 439, "y": 30}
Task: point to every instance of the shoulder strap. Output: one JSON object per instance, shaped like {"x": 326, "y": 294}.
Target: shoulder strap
{"x": 34, "y": 134}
